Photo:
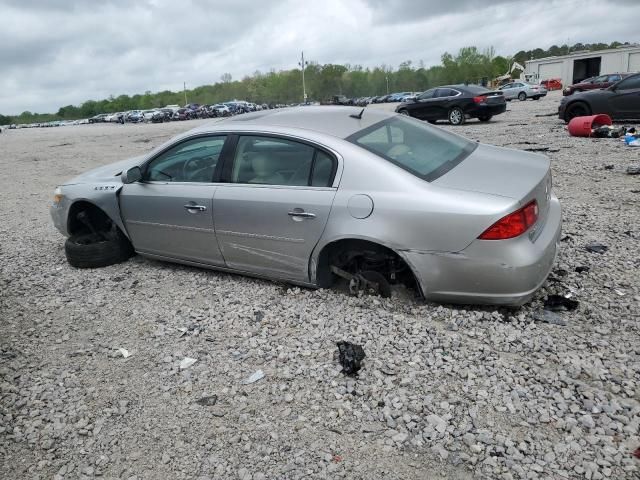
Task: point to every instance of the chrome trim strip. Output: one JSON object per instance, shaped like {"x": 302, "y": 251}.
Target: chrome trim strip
{"x": 171, "y": 227}
{"x": 255, "y": 235}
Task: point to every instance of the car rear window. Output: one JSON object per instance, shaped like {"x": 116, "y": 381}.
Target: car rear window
{"x": 426, "y": 152}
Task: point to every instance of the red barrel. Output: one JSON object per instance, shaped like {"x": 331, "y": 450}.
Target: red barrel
{"x": 581, "y": 126}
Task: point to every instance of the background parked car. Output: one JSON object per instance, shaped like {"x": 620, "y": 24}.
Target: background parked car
{"x": 101, "y": 118}
{"x": 455, "y": 103}
{"x": 522, "y": 91}
{"x": 552, "y": 84}
{"x": 621, "y": 101}
{"x": 594, "y": 83}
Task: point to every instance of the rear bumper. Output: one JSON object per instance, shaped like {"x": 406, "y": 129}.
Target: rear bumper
{"x": 505, "y": 272}
{"x": 485, "y": 110}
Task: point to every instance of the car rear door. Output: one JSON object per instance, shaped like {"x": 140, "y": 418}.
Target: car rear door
{"x": 625, "y": 101}
{"x": 274, "y": 205}
{"x": 169, "y": 213}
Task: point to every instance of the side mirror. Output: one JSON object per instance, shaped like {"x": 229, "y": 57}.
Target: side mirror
{"x": 132, "y": 175}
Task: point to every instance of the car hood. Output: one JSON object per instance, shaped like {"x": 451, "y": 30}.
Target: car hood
{"x": 497, "y": 171}
{"x": 106, "y": 173}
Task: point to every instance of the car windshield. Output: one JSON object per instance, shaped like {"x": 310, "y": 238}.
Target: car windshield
{"x": 427, "y": 152}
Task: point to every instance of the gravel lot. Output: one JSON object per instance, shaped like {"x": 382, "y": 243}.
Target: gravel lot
{"x": 445, "y": 392}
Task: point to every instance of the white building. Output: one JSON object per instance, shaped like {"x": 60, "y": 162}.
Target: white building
{"x": 577, "y": 66}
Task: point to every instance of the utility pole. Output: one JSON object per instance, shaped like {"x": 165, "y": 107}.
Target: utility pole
{"x": 387, "y": 77}
{"x": 303, "y": 64}
{"x": 184, "y": 89}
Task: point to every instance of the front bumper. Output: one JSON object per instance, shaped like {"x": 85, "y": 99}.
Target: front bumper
{"x": 504, "y": 272}
{"x": 59, "y": 214}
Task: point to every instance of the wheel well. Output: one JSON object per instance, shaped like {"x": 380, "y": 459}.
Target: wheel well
{"x": 354, "y": 254}
{"x": 574, "y": 103}
{"x": 94, "y": 217}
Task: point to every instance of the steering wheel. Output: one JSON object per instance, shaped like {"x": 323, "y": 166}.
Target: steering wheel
{"x": 190, "y": 168}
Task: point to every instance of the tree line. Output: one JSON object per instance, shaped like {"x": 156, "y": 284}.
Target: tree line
{"x": 322, "y": 81}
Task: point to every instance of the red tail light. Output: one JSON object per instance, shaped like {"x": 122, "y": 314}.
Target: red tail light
{"x": 478, "y": 99}
{"x": 514, "y": 224}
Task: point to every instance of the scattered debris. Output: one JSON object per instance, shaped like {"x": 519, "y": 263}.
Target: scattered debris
{"x": 552, "y": 114}
{"x": 558, "y": 303}
{"x": 596, "y": 247}
{"x": 633, "y": 170}
{"x": 609, "y": 167}
{"x": 566, "y": 238}
{"x": 61, "y": 145}
{"x": 582, "y": 269}
{"x": 194, "y": 329}
{"x": 541, "y": 149}
{"x": 608, "y": 131}
{"x": 254, "y": 377}
{"x": 209, "y": 401}
{"x": 548, "y": 316}
{"x": 351, "y": 356}
{"x": 142, "y": 140}
{"x": 124, "y": 352}
{"x": 187, "y": 362}
{"x": 258, "y": 315}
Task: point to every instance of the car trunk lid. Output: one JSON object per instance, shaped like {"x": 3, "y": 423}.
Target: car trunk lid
{"x": 493, "y": 98}
{"x": 521, "y": 176}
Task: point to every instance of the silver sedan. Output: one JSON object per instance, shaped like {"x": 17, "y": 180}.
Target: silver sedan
{"x": 522, "y": 91}
{"x": 322, "y": 195}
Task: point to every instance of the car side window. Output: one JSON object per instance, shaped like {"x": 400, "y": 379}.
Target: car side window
{"x": 443, "y": 92}
{"x": 194, "y": 160}
{"x": 614, "y": 78}
{"x": 278, "y": 161}
{"x": 629, "y": 83}
{"x": 427, "y": 94}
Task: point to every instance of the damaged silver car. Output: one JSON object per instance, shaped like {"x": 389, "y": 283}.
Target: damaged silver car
{"x": 315, "y": 195}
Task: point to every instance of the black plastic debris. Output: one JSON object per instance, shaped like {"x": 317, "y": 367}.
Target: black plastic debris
{"x": 582, "y": 269}
{"x": 351, "y": 356}
{"x": 609, "y": 167}
{"x": 596, "y": 247}
{"x": 558, "y": 303}
{"x": 547, "y": 316}
{"x": 566, "y": 238}
{"x": 608, "y": 131}
{"x": 209, "y": 401}
{"x": 258, "y": 315}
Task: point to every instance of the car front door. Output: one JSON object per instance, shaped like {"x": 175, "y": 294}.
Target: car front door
{"x": 625, "y": 100}
{"x": 273, "y": 208}
{"x": 423, "y": 106}
{"x": 169, "y": 213}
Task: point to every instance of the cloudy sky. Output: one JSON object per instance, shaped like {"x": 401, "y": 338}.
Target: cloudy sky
{"x": 61, "y": 52}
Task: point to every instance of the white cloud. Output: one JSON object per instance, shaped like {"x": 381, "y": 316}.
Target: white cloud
{"x": 61, "y": 52}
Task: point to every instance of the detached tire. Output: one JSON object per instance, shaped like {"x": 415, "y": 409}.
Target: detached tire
{"x": 91, "y": 251}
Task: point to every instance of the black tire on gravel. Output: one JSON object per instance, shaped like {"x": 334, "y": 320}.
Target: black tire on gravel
{"x": 577, "y": 109}
{"x": 456, "y": 116}
{"x": 89, "y": 250}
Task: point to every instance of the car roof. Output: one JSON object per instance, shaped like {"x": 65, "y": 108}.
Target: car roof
{"x": 330, "y": 120}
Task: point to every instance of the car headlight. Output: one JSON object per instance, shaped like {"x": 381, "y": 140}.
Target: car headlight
{"x": 57, "y": 195}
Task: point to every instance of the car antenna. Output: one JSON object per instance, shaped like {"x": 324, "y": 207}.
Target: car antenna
{"x": 358, "y": 116}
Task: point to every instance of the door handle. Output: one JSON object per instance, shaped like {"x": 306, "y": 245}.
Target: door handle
{"x": 302, "y": 214}
{"x": 200, "y": 208}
